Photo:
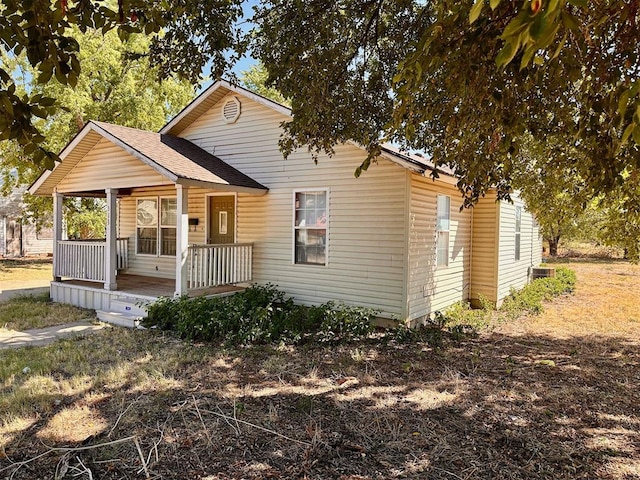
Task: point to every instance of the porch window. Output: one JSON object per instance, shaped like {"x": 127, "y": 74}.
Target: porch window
{"x": 168, "y": 217}
{"x": 156, "y": 221}
{"x": 443, "y": 216}
{"x": 147, "y": 226}
{"x": 310, "y": 227}
{"x": 518, "y": 231}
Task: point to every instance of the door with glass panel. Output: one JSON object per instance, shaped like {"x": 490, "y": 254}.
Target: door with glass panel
{"x": 222, "y": 219}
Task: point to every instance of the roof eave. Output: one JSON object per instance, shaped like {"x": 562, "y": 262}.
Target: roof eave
{"x": 189, "y": 182}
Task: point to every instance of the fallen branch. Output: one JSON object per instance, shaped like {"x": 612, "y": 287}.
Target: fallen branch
{"x": 17, "y": 466}
{"x": 228, "y": 418}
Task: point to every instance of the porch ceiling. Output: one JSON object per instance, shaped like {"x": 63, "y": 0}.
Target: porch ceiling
{"x": 174, "y": 158}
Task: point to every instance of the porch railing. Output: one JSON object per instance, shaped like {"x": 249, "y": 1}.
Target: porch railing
{"x": 215, "y": 265}
{"x": 80, "y": 259}
{"x": 85, "y": 259}
{"x": 122, "y": 253}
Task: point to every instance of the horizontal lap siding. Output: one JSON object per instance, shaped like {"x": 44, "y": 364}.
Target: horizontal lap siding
{"x": 434, "y": 288}
{"x": 512, "y": 273}
{"x": 31, "y": 244}
{"x": 484, "y": 266}
{"x": 366, "y": 215}
{"x": 146, "y": 264}
{"x": 108, "y": 165}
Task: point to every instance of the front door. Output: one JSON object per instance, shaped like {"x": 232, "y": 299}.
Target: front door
{"x": 222, "y": 219}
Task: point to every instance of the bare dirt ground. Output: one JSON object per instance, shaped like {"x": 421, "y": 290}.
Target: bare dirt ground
{"x": 550, "y": 397}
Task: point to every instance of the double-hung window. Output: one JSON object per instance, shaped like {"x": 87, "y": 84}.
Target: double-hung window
{"x": 443, "y": 223}
{"x": 518, "y": 231}
{"x": 310, "y": 227}
{"x": 156, "y": 226}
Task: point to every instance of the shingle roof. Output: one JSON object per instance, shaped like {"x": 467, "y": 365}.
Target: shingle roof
{"x": 179, "y": 156}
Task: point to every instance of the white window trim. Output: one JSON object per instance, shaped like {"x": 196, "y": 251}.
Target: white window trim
{"x": 517, "y": 247}
{"x": 448, "y": 231}
{"x": 294, "y": 227}
{"x": 160, "y": 226}
{"x": 138, "y": 199}
{"x": 207, "y": 211}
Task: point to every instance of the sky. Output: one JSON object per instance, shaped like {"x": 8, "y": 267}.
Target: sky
{"x": 246, "y": 62}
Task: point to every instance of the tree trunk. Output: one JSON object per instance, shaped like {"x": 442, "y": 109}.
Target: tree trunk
{"x": 553, "y": 246}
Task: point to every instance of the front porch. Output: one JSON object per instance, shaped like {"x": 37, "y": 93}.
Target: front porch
{"x": 125, "y": 306}
{"x": 211, "y": 270}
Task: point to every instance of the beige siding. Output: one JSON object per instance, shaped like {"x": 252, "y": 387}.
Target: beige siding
{"x": 434, "y": 288}
{"x": 152, "y": 265}
{"x": 484, "y": 264}
{"x": 366, "y": 246}
{"x": 107, "y": 165}
{"x": 512, "y": 273}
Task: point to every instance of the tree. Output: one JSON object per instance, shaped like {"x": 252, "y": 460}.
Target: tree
{"x": 255, "y": 79}
{"x": 460, "y": 81}
{"x": 464, "y": 82}
{"x": 557, "y": 198}
{"x": 117, "y": 85}
{"x": 185, "y": 37}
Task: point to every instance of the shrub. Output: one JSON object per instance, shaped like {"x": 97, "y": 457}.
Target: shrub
{"x": 529, "y": 299}
{"x": 260, "y": 314}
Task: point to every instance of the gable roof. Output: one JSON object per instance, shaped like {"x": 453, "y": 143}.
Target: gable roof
{"x": 215, "y": 92}
{"x": 177, "y": 159}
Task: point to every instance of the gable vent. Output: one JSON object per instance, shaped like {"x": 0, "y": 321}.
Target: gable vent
{"x": 231, "y": 110}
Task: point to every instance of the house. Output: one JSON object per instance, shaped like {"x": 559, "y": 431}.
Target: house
{"x": 18, "y": 236}
{"x": 209, "y": 204}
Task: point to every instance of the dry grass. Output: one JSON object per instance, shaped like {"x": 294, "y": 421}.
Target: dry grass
{"x": 20, "y": 270}
{"x": 37, "y": 311}
{"x": 534, "y": 399}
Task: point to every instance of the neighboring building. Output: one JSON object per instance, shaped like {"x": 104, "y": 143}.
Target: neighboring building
{"x": 18, "y": 236}
{"x": 209, "y": 202}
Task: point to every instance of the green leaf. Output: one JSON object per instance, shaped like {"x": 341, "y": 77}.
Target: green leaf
{"x": 627, "y": 133}
{"x": 507, "y": 53}
{"x": 569, "y": 21}
{"x": 494, "y": 4}
{"x": 526, "y": 57}
{"x": 476, "y": 10}
{"x": 579, "y": 3}
{"x": 622, "y": 103}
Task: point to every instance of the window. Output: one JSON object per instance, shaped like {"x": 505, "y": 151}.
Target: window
{"x": 168, "y": 217}
{"x": 443, "y": 222}
{"x": 147, "y": 226}
{"x": 156, "y": 230}
{"x": 518, "y": 231}
{"x": 310, "y": 227}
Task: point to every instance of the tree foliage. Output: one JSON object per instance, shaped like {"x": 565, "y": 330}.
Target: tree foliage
{"x": 464, "y": 81}
{"x": 184, "y": 37}
{"x": 117, "y": 85}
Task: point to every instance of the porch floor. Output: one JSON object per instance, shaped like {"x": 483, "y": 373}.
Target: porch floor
{"x": 152, "y": 286}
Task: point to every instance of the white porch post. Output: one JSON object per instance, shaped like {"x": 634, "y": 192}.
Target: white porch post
{"x": 182, "y": 238}
{"x": 57, "y": 233}
{"x": 111, "y": 234}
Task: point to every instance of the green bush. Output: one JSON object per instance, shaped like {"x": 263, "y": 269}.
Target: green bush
{"x": 260, "y": 314}
{"x": 529, "y": 299}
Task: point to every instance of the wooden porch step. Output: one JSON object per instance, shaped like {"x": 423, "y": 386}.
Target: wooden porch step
{"x": 119, "y": 318}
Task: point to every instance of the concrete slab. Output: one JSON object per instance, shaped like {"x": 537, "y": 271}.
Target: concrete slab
{"x": 44, "y": 336}
{"x": 14, "y": 288}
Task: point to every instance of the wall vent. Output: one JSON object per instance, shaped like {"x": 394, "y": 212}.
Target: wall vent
{"x": 231, "y": 110}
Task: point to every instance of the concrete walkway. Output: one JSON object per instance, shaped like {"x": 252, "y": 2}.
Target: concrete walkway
{"x": 44, "y": 336}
